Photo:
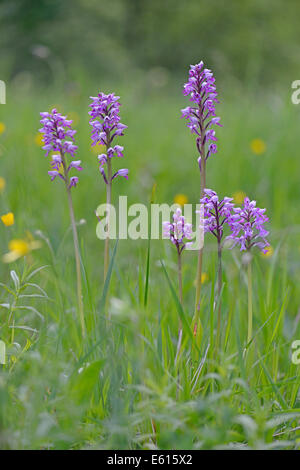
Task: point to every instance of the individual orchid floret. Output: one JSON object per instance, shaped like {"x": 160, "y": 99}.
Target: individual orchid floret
{"x": 102, "y": 159}
{"x": 54, "y": 173}
{"x": 56, "y": 162}
{"x": 73, "y": 181}
{"x": 59, "y": 137}
{"x": 75, "y": 164}
{"x": 179, "y": 231}
{"x": 116, "y": 151}
{"x": 216, "y": 213}
{"x": 122, "y": 172}
{"x": 201, "y": 116}
{"x": 247, "y": 227}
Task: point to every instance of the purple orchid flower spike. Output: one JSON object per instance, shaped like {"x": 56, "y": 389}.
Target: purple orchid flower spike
{"x": 247, "y": 227}
{"x": 106, "y": 126}
{"x": 248, "y": 231}
{"x": 201, "y": 117}
{"x": 178, "y": 232}
{"x": 57, "y": 131}
{"x": 217, "y": 214}
{"x": 59, "y": 138}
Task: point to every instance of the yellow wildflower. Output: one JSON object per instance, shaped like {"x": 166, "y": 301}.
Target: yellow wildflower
{"x": 8, "y": 219}
{"x": 239, "y": 197}
{"x": 204, "y": 278}
{"x": 2, "y": 184}
{"x": 2, "y": 127}
{"x": 258, "y": 146}
{"x": 18, "y": 248}
{"x": 180, "y": 199}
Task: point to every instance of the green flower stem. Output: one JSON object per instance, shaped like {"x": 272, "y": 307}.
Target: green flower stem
{"x": 108, "y": 202}
{"x": 76, "y": 247}
{"x": 77, "y": 262}
{"x": 180, "y": 284}
{"x": 197, "y": 323}
{"x": 219, "y": 293}
{"x": 250, "y": 311}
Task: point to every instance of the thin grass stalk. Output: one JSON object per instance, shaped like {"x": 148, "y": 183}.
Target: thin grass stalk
{"x": 152, "y": 199}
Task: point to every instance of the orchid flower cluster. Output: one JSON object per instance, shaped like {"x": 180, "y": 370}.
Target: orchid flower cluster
{"x": 59, "y": 138}
{"x": 216, "y": 213}
{"x": 246, "y": 223}
{"x": 247, "y": 227}
{"x": 202, "y": 116}
{"x": 178, "y": 232}
{"x": 106, "y": 126}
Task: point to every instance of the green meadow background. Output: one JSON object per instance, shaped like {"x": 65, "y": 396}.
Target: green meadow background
{"x": 122, "y": 388}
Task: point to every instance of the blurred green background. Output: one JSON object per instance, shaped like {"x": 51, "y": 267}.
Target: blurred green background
{"x": 250, "y": 42}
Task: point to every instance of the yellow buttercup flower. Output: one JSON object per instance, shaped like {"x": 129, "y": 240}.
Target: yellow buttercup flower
{"x": 20, "y": 247}
{"x": 2, "y": 127}
{"x": 38, "y": 139}
{"x": 239, "y": 197}
{"x": 8, "y": 219}
{"x": 269, "y": 252}
{"x": 181, "y": 199}
{"x": 258, "y": 146}
{"x": 2, "y": 184}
